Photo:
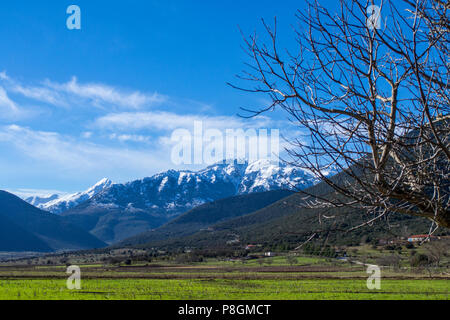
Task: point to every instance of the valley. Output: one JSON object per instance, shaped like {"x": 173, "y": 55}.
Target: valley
{"x": 222, "y": 238}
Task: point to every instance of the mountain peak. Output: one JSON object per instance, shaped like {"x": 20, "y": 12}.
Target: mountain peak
{"x": 104, "y": 181}
{"x": 99, "y": 186}
{"x": 57, "y": 204}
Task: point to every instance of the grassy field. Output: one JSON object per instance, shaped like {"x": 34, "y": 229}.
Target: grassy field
{"x": 197, "y": 289}
{"x": 310, "y": 278}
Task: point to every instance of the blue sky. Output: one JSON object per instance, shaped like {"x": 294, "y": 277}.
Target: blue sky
{"x": 80, "y": 105}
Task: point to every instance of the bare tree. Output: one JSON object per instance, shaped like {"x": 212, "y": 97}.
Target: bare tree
{"x": 436, "y": 250}
{"x": 372, "y": 99}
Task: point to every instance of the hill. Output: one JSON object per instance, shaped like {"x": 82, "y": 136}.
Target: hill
{"x": 27, "y": 228}
{"x": 15, "y": 239}
{"x": 287, "y": 223}
{"x": 112, "y": 224}
{"x": 208, "y": 214}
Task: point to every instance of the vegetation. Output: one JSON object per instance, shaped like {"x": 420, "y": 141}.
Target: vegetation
{"x": 179, "y": 277}
{"x": 284, "y": 225}
{"x": 149, "y": 289}
{"x": 207, "y": 215}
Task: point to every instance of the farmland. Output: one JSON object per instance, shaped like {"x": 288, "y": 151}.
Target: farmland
{"x": 309, "y": 278}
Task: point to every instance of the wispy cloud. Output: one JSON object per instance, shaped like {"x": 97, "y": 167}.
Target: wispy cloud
{"x": 99, "y": 94}
{"x": 74, "y": 93}
{"x": 9, "y": 110}
{"x": 129, "y": 137}
{"x": 170, "y": 121}
{"x": 26, "y": 193}
{"x": 41, "y": 94}
{"x": 70, "y": 154}
{"x": 3, "y": 76}
{"x": 6, "y": 104}
{"x": 86, "y": 134}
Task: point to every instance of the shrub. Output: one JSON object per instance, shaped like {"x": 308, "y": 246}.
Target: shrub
{"x": 291, "y": 260}
{"x": 392, "y": 261}
{"x": 419, "y": 260}
{"x": 409, "y": 245}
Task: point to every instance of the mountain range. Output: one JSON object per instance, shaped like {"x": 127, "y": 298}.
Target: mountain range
{"x": 110, "y": 212}
{"x": 283, "y": 222}
{"x": 222, "y": 206}
{"x": 124, "y": 210}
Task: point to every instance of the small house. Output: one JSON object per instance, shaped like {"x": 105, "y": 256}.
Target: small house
{"x": 420, "y": 238}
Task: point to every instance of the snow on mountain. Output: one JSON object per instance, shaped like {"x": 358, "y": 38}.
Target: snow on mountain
{"x": 58, "y": 204}
{"x": 40, "y": 200}
{"x": 170, "y": 193}
{"x": 263, "y": 175}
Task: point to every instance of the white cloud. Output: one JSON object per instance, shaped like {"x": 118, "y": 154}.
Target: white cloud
{"x": 41, "y": 94}
{"x": 26, "y": 193}
{"x": 170, "y": 121}
{"x": 129, "y": 137}
{"x": 100, "y": 93}
{"x": 67, "y": 153}
{"x": 74, "y": 93}
{"x": 9, "y": 110}
{"x": 6, "y": 102}
{"x": 86, "y": 135}
{"x": 3, "y": 76}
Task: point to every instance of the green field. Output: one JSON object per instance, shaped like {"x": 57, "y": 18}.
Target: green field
{"x": 154, "y": 289}
{"x": 311, "y": 278}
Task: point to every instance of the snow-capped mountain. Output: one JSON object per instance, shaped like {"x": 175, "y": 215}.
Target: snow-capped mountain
{"x": 60, "y": 203}
{"x": 124, "y": 210}
{"x": 174, "y": 191}
{"x": 171, "y": 192}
